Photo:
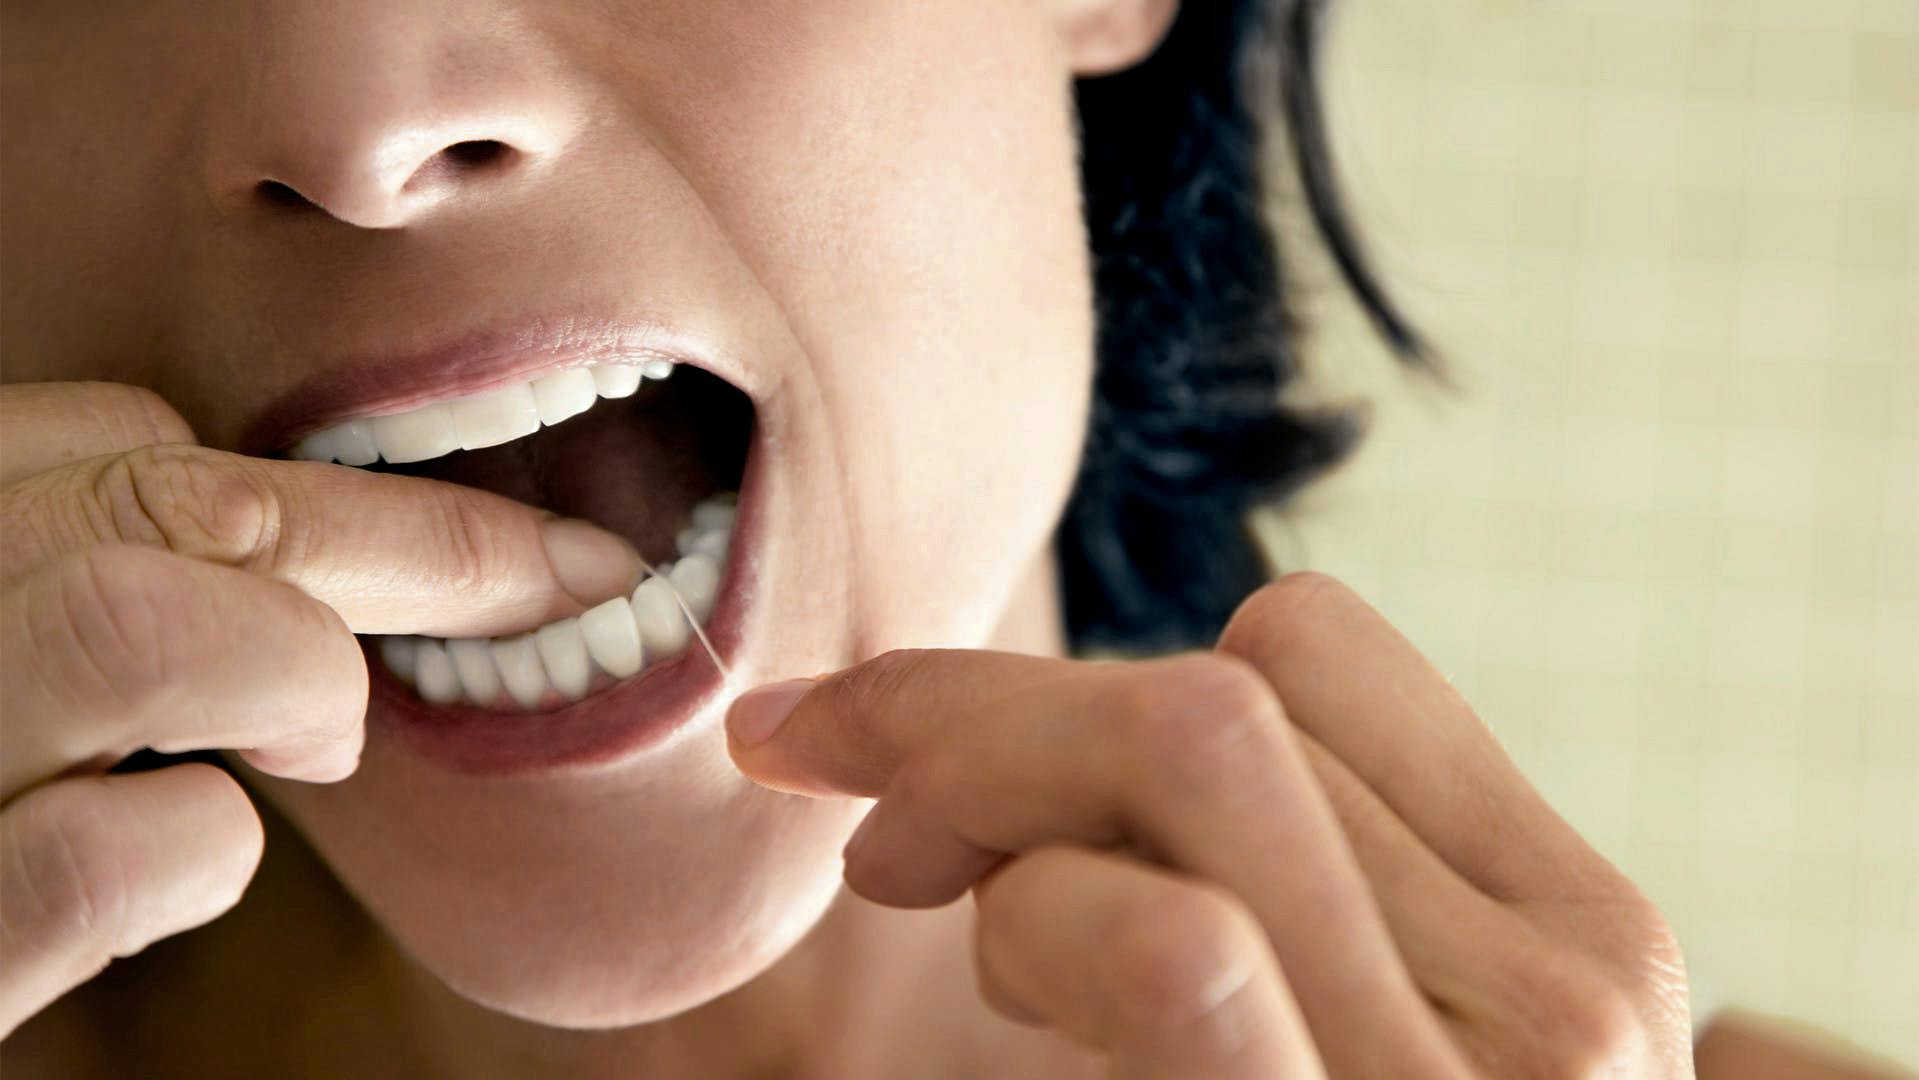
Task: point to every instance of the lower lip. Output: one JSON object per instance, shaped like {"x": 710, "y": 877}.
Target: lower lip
{"x": 620, "y": 722}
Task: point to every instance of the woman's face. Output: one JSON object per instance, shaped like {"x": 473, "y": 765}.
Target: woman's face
{"x": 864, "y": 211}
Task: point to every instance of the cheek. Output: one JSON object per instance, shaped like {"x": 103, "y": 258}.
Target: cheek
{"x": 902, "y": 180}
{"x": 87, "y": 180}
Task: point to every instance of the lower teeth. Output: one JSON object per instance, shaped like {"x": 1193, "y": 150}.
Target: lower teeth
{"x": 564, "y": 661}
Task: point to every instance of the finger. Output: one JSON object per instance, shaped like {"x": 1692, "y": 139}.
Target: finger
{"x": 1496, "y": 981}
{"x": 1517, "y": 1001}
{"x": 53, "y": 424}
{"x": 96, "y": 868}
{"x": 1428, "y": 905}
{"x": 120, "y": 648}
{"x": 1348, "y": 678}
{"x": 1187, "y": 759}
{"x": 1169, "y": 976}
{"x": 391, "y": 554}
{"x": 855, "y": 727}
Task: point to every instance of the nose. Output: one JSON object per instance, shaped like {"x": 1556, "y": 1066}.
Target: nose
{"x": 381, "y": 115}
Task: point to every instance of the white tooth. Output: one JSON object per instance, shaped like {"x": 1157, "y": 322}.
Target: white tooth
{"x": 698, "y": 578}
{"x": 473, "y": 659}
{"x": 568, "y": 393}
{"x": 495, "y": 417}
{"x": 684, "y": 540}
{"x": 396, "y": 652}
{"x": 662, "y": 626}
{"x": 613, "y": 638}
{"x": 713, "y": 544}
{"x": 319, "y": 446}
{"x": 616, "y": 380}
{"x": 439, "y": 683}
{"x": 656, "y": 369}
{"x": 714, "y": 514}
{"x": 424, "y": 433}
{"x": 520, "y": 669}
{"x": 562, "y": 648}
{"x": 353, "y": 443}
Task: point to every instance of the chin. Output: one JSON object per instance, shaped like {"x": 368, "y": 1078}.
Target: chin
{"x": 594, "y": 894}
{"x": 614, "y": 900}
{"x": 635, "y": 967}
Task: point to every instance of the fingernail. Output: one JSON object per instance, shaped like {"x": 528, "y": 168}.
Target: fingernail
{"x": 759, "y": 712}
{"x": 592, "y": 565}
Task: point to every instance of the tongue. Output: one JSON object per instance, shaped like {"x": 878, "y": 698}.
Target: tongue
{"x": 636, "y": 466}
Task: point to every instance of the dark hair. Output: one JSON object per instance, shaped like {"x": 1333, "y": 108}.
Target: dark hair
{"x": 1195, "y": 335}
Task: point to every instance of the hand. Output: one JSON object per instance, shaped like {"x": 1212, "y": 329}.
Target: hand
{"x": 155, "y": 594}
{"x": 1298, "y": 855}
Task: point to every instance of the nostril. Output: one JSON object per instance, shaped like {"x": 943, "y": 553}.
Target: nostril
{"x": 374, "y": 201}
{"x": 478, "y": 153}
{"x": 274, "y": 193}
{"x": 460, "y": 162}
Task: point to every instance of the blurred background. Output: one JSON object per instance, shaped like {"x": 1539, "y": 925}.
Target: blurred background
{"x": 1664, "y": 531}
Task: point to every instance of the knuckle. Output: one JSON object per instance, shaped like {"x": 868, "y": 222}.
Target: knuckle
{"x": 870, "y": 686}
{"x": 1601, "y": 1037}
{"x": 1198, "y": 721}
{"x": 145, "y": 416}
{"x": 1622, "y": 929}
{"x": 1644, "y": 929}
{"x": 192, "y": 501}
{"x": 1180, "y": 959}
{"x": 1283, "y": 611}
{"x": 1222, "y": 684}
{"x": 119, "y": 620}
{"x": 71, "y": 869}
{"x": 1653, "y": 965}
{"x": 478, "y": 553}
{"x": 932, "y": 783}
{"x": 1581, "y": 1023}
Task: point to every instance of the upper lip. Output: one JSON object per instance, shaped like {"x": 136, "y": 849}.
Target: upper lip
{"x": 371, "y": 385}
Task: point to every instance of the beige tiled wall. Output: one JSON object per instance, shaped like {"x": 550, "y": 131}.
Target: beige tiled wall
{"x": 1665, "y": 532}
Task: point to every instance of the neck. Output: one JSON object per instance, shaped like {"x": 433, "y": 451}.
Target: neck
{"x": 826, "y": 1009}
{"x": 1033, "y": 622}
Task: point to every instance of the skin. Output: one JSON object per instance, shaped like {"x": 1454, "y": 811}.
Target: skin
{"x": 1281, "y": 861}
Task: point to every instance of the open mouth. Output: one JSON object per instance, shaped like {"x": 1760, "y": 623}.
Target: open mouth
{"x": 653, "y": 451}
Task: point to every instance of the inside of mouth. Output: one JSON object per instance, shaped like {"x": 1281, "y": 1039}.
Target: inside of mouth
{"x": 635, "y": 466}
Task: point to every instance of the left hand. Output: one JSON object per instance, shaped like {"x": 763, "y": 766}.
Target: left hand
{"x": 1300, "y": 854}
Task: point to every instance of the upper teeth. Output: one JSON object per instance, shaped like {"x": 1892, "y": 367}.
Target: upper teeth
{"x": 490, "y": 418}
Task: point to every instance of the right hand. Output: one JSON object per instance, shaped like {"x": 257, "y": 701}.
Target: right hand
{"x": 156, "y": 594}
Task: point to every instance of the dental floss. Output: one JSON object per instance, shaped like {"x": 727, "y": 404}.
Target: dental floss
{"x": 698, "y": 631}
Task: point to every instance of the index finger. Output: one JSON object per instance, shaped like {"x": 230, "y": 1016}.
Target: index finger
{"x": 850, "y": 738}
{"x": 391, "y": 554}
